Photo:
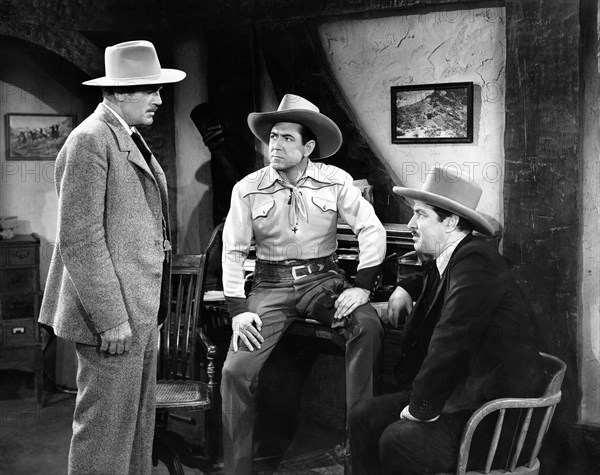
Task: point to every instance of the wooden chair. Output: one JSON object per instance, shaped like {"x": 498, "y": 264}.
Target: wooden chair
{"x": 186, "y": 374}
{"x": 555, "y": 371}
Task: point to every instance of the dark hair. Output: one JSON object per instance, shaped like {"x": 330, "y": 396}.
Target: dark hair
{"x": 463, "y": 223}
{"x": 307, "y": 135}
{"x": 111, "y": 90}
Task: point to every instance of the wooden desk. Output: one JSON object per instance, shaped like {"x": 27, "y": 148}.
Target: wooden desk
{"x": 306, "y": 371}
{"x": 310, "y": 345}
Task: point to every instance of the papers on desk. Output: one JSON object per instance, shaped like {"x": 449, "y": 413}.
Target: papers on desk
{"x": 214, "y": 296}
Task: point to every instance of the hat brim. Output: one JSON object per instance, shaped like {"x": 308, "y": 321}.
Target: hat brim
{"x": 328, "y": 134}
{"x": 479, "y": 223}
{"x": 166, "y": 76}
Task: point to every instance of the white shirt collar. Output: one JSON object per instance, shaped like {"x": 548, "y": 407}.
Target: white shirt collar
{"x": 120, "y": 119}
{"x": 443, "y": 259}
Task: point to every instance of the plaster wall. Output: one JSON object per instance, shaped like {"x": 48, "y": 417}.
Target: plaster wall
{"x": 194, "y": 197}
{"x": 27, "y": 187}
{"x": 369, "y": 56}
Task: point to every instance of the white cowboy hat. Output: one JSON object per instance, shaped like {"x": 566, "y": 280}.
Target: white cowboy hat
{"x": 300, "y": 111}
{"x": 447, "y": 189}
{"x": 134, "y": 63}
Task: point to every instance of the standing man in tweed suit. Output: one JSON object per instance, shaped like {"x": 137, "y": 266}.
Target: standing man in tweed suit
{"x": 110, "y": 269}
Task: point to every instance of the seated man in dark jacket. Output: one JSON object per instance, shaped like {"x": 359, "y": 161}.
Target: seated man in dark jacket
{"x": 466, "y": 340}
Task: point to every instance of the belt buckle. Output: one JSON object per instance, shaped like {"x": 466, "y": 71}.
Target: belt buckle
{"x": 296, "y": 268}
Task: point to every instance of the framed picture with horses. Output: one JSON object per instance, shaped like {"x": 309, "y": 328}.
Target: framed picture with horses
{"x": 36, "y": 136}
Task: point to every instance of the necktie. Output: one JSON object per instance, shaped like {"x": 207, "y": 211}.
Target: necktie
{"x": 296, "y": 204}
{"x": 137, "y": 138}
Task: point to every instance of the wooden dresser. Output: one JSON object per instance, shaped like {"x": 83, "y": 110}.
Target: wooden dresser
{"x": 20, "y": 346}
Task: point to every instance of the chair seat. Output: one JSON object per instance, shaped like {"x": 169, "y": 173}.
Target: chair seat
{"x": 182, "y": 394}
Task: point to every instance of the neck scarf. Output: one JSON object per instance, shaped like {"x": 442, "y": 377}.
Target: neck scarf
{"x": 296, "y": 204}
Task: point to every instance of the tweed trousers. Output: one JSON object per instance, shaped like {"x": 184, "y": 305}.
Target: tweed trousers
{"x": 113, "y": 422}
{"x": 278, "y": 304}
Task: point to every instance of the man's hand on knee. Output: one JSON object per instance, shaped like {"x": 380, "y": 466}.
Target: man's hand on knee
{"x": 247, "y": 326}
{"x": 117, "y": 340}
{"x": 349, "y": 300}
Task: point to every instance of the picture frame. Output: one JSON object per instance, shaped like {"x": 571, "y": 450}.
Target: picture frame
{"x": 432, "y": 113}
{"x": 36, "y": 136}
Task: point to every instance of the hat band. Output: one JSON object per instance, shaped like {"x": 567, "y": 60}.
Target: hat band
{"x": 153, "y": 76}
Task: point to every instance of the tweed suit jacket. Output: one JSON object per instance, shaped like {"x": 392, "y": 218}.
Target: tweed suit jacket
{"x": 108, "y": 264}
{"x": 473, "y": 344}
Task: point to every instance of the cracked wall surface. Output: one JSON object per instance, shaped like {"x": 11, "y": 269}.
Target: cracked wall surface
{"x": 369, "y": 56}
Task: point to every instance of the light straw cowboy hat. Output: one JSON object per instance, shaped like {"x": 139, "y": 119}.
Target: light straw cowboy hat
{"x": 300, "y": 111}
{"x": 134, "y": 63}
{"x": 447, "y": 189}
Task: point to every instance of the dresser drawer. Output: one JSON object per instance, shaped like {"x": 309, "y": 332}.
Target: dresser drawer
{"x": 18, "y": 306}
{"x": 18, "y": 332}
{"x": 20, "y": 256}
{"x": 17, "y": 281}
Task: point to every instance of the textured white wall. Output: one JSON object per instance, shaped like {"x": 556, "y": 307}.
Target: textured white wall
{"x": 27, "y": 187}
{"x": 370, "y": 56}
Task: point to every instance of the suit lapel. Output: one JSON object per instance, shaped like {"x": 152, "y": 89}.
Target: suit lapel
{"x": 126, "y": 144}
{"x": 124, "y": 141}
{"x": 444, "y": 277}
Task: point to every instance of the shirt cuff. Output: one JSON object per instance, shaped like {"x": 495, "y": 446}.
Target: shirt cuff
{"x": 236, "y": 305}
{"x": 366, "y": 278}
{"x": 425, "y": 410}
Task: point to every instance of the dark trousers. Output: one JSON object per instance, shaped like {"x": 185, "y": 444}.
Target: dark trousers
{"x": 278, "y": 304}
{"x": 382, "y": 443}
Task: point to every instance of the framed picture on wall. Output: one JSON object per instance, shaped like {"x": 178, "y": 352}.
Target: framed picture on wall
{"x": 36, "y": 136}
{"x": 432, "y": 113}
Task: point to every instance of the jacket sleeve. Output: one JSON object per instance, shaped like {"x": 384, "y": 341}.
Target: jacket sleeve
{"x": 82, "y": 172}
{"x": 361, "y": 217}
{"x": 413, "y": 284}
{"x": 237, "y": 237}
{"x": 472, "y": 296}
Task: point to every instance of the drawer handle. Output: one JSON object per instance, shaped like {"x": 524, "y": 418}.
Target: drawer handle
{"x": 18, "y": 330}
{"x": 22, "y": 254}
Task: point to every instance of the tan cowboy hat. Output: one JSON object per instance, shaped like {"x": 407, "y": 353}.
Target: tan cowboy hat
{"x": 134, "y": 63}
{"x": 300, "y": 111}
{"x": 447, "y": 189}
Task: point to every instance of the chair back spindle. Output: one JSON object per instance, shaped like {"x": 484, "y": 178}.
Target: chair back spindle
{"x": 555, "y": 372}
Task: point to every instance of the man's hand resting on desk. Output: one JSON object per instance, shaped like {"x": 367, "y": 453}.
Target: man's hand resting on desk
{"x": 246, "y": 326}
{"x": 349, "y": 300}
{"x": 400, "y": 304}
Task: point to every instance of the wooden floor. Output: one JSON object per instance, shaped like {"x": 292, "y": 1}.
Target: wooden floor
{"x": 36, "y": 441}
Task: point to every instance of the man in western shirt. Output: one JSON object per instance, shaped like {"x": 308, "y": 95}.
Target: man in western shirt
{"x": 290, "y": 210}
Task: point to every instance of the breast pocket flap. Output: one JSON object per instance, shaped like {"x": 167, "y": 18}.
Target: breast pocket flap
{"x": 262, "y": 210}
{"x": 323, "y": 204}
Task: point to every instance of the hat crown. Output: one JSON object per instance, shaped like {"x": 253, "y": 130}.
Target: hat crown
{"x": 130, "y": 60}
{"x": 449, "y": 184}
{"x": 294, "y": 102}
